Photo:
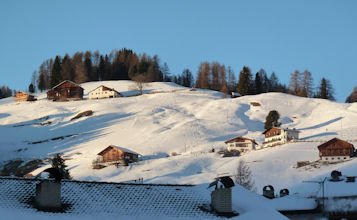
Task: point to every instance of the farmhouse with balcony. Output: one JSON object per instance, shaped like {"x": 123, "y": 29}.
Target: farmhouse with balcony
{"x": 240, "y": 144}
{"x": 66, "y": 91}
{"x": 277, "y": 136}
{"x": 22, "y": 96}
{"x": 103, "y": 92}
{"x": 115, "y": 155}
{"x": 335, "y": 150}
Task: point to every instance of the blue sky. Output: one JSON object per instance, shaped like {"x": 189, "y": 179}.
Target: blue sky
{"x": 279, "y": 36}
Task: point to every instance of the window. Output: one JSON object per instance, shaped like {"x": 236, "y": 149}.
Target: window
{"x": 344, "y": 158}
{"x": 332, "y": 158}
{"x": 338, "y": 158}
{"x": 326, "y": 158}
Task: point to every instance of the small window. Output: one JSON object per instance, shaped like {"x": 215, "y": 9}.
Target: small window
{"x": 326, "y": 158}
{"x": 338, "y": 158}
{"x": 344, "y": 158}
{"x": 332, "y": 158}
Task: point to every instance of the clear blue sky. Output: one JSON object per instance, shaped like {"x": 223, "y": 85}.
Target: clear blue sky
{"x": 279, "y": 36}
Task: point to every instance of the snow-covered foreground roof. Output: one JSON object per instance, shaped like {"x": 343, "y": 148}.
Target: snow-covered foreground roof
{"x": 124, "y": 201}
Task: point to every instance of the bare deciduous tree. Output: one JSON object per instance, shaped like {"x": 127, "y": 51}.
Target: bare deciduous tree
{"x": 140, "y": 83}
{"x": 244, "y": 176}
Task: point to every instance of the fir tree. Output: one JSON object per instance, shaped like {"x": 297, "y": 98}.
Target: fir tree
{"x": 58, "y": 163}
{"x": 272, "y": 120}
{"x": 245, "y": 78}
{"x": 353, "y": 96}
{"x": 258, "y": 84}
{"x": 31, "y": 88}
{"x": 56, "y": 76}
{"x": 325, "y": 90}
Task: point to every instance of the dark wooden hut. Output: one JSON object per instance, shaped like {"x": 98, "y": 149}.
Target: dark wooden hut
{"x": 65, "y": 91}
{"x": 117, "y": 155}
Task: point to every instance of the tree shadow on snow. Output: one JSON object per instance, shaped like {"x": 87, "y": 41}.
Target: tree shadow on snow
{"x": 323, "y": 124}
{"x": 319, "y": 135}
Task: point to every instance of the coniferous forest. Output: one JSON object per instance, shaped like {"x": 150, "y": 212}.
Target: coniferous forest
{"x": 125, "y": 64}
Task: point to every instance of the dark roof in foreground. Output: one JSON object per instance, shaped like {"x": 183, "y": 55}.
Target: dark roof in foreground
{"x": 120, "y": 199}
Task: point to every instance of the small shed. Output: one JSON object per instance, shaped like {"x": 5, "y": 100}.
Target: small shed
{"x": 22, "y": 96}
{"x": 65, "y": 91}
{"x": 103, "y": 92}
{"x": 335, "y": 150}
{"x": 117, "y": 155}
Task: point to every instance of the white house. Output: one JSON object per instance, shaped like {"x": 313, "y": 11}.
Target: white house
{"x": 278, "y": 136}
{"x": 241, "y": 144}
{"x": 102, "y": 92}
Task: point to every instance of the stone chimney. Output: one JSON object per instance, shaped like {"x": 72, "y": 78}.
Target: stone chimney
{"x": 221, "y": 200}
{"x": 221, "y": 197}
{"x": 48, "y": 195}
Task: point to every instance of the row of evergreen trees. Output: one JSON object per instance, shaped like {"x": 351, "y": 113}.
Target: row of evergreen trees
{"x": 82, "y": 67}
{"x": 125, "y": 64}
{"x": 5, "y": 92}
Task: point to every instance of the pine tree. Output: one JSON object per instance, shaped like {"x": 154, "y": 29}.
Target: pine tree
{"x": 272, "y": 120}
{"x": 41, "y": 84}
{"x": 244, "y": 176}
{"x": 245, "y": 81}
{"x": 231, "y": 79}
{"x": 187, "y": 78}
{"x": 353, "y": 96}
{"x": 258, "y": 84}
{"x": 31, "y": 88}
{"x": 56, "y": 76}
{"x": 166, "y": 73}
{"x": 58, "y": 163}
{"x": 325, "y": 90}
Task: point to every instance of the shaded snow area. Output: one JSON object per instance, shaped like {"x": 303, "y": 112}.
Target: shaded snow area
{"x": 173, "y": 120}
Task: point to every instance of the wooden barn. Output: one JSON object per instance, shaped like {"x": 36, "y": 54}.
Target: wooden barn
{"x": 117, "y": 155}
{"x": 65, "y": 91}
{"x": 22, "y": 96}
{"x": 336, "y": 150}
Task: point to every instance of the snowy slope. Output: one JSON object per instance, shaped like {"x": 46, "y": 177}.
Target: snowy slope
{"x": 170, "y": 118}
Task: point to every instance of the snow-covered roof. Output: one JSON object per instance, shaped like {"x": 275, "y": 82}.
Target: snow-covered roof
{"x": 285, "y": 129}
{"x": 293, "y": 203}
{"x": 120, "y": 148}
{"x": 121, "y": 199}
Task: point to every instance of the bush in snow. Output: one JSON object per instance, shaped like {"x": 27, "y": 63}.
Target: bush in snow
{"x": 244, "y": 176}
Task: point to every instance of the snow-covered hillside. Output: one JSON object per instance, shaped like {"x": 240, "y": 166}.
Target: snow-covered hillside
{"x": 170, "y": 118}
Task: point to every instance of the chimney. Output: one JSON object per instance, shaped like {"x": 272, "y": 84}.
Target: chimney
{"x": 48, "y": 195}
{"x": 221, "y": 198}
{"x": 48, "y": 191}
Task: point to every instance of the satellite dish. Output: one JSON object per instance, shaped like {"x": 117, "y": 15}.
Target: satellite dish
{"x": 284, "y": 192}
{"x": 268, "y": 192}
{"x": 225, "y": 180}
{"x": 335, "y": 176}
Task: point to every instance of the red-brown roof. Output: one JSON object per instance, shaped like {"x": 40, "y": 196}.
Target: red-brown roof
{"x": 240, "y": 139}
{"x": 336, "y": 143}
{"x": 67, "y": 81}
{"x": 117, "y": 147}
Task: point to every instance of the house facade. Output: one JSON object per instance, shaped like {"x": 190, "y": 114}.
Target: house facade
{"x": 277, "y": 136}
{"x": 240, "y": 144}
{"x": 22, "y": 96}
{"x": 117, "y": 155}
{"x": 335, "y": 150}
{"x": 103, "y": 92}
{"x": 66, "y": 91}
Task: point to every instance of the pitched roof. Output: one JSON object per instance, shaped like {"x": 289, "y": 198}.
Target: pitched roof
{"x": 121, "y": 199}
{"x": 117, "y": 147}
{"x": 335, "y": 143}
{"x": 105, "y": 88}
{"x": 285, "y": 129}
{"x": 64, "y": 82}
{"x": 240, "y": 139}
